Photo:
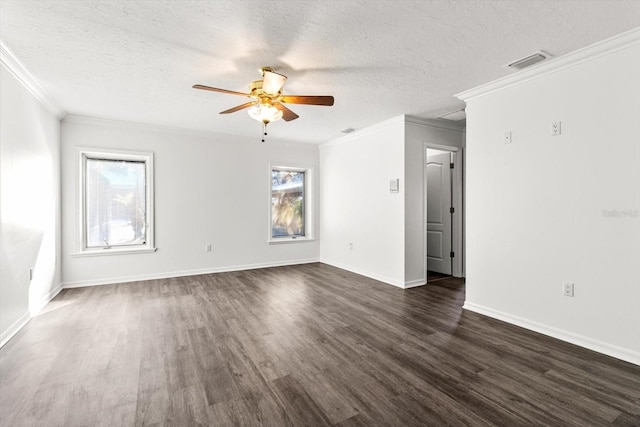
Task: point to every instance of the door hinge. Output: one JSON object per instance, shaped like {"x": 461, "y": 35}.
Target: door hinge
{"x": 452, "y": 254}
{"x": 452, "y": 209}
{"x": 450, "y": 165}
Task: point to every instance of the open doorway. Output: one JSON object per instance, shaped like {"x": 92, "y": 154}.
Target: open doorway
{"x": 443, "y": 231}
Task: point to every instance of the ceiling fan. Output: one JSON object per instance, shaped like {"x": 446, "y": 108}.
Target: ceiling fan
{"x": 268, "y": 101}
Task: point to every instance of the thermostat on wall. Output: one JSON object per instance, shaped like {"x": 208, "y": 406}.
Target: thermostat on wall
{"x": 394, "y": 185}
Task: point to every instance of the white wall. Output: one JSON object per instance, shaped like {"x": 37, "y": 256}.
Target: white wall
{"x": 208, "y": 189}
{"x": 29, "y": 204}
{"x": 535, "y": 206}
{"x": 419, "y": 134}
{"x": 387, "y": 230}
{"x": 356, "y": 205}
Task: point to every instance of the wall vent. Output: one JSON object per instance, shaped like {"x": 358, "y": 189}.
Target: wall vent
{"x": 528, "y": 61}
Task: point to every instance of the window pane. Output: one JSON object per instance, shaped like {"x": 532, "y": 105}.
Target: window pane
{"x": 115, "y": 203}
{"x": 287, "y": 203}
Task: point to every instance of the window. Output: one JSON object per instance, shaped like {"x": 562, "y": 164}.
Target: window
{"x": 116, "y": 204}
{"x": 290, "y": 216}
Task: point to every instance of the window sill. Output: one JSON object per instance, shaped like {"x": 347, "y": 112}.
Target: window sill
{"x": 114, "y": 251}
{"x": 280, "y": 240}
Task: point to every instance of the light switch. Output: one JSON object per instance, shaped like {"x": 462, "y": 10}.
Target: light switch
{"x": 394, "y": 185}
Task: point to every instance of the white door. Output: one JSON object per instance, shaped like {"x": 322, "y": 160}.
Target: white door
{"x": 438, "y": 213}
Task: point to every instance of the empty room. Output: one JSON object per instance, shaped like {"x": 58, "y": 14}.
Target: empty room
{"x": 319, "y": 213}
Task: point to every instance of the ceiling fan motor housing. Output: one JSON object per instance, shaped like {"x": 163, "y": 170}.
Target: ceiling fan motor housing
{"x": 268, "y": 104}
{"x": 255, "y": 89}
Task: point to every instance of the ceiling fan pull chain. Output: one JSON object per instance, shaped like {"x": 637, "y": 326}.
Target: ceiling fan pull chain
{"x": 264, "y": 130}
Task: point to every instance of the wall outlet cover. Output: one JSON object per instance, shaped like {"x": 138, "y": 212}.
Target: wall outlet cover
{"x": 567, "y": 289}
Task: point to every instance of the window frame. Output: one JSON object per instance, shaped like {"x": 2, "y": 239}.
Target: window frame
{"x": 308, "y": 203}
{"x": 119, "y": 155}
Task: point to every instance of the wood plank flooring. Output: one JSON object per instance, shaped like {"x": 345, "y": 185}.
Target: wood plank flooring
{"x": 434, "y": 276}
{"x": 305, "y": 345}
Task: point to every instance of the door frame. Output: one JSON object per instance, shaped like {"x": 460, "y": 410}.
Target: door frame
{"x": 457, "y": 200}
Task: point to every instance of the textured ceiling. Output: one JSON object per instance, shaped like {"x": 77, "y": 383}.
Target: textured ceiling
{"x": 137, "y": 60}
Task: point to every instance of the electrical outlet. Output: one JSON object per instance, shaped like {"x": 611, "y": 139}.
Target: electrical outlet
{"x": 567, "y": 289}
{"x": 556, "y": 128}
{"x": 350, "y": 246}
{"x": 207, "y": 248}
{"x": 507, "y": 137}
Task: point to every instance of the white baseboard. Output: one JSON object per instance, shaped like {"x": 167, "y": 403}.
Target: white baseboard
{"x": 196, "y": 272}
{"x": 24, "y": 319}
{"x": 38, "y": 306}
{"x": 378, "y": 277}
{"x": 415, "y": 283}
{"x": 561, "y": 334}
{"x": 14, "y": 328}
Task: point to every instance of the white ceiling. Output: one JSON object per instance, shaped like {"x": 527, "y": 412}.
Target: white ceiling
{"x": 137, "y": 60}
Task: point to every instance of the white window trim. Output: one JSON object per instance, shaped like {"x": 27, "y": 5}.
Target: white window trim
{"x": 106, "y": 154}
{"x": 308, "y": 204}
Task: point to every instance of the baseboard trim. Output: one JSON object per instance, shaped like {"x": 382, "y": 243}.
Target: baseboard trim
{"x": 196, "y": 272}
{"x": 415, "y": 283}
{"x": 45, "y": 300}
{"x": 378, "y": 277}
{"x": 6, "y": 336}
{"x": 580, "y": 340}
{"x": 14, "y": 328}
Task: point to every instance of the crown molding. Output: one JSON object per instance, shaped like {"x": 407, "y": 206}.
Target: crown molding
{"x": 596, "y": 50}
{"x": 15, "y": 67}
{"x": 435, "y": 124}
{"x": 122, "y": 124}
{"x": 364, "y": 131}
{"x": 404, "y": 119}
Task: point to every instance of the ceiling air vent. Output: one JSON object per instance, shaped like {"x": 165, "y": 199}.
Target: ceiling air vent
{"x": 348, "y": 130}
{"x": 529, "y": 60}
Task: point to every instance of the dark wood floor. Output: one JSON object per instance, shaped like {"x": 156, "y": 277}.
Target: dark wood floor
{"x": 307, "y": 346}
{"x": 434, "y": 276}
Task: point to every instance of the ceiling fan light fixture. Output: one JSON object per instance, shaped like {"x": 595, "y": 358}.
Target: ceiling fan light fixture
{"x": 272, "y": 82}
{"x": 268, "y": 104}
{"x": 265, "y": 113}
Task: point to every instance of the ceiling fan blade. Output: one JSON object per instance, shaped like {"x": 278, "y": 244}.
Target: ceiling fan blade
{"x": 272, "y": 82}
{"x": 239, "y": 107}
{"x": 308, "y": 100}
{"x": 215, "y": 89}
{"x": 287, "y": 115}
